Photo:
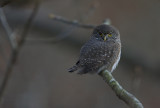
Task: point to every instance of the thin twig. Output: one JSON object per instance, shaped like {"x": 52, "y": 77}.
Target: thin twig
{"x": 8, "y": 29}
{"x": 66, "y": 32}
{"x": 73, "y": 22}
{"x": 7, "y": 75}
{"x": 69, "y": 30}
{"x": 29, "y": 22}
{"x": 14, "y": 46}
{"x": 128, "y": 98}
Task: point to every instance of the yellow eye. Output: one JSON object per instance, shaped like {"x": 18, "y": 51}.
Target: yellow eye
{"x": 109, "y": 35}
{"x": 100, "y": 33}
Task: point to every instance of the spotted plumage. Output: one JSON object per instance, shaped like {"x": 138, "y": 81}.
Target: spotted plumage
{"x": 102, "y": 51}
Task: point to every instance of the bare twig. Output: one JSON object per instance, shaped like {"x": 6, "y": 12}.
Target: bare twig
{"x": 74, "y": 22}
{"x": 8, "y": 29}
{"x": 69, "y": 30}
{"x": 29, "y": 22}
{"x": 7, "y": 75}
{"x": 128, "y": 98}
{"x": 66, "y": 32}
{"x": 82, "y": 19}
{"x": 14, "y": 46}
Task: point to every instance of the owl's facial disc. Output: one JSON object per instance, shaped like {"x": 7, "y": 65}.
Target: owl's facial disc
{"x": 106, "y": 33}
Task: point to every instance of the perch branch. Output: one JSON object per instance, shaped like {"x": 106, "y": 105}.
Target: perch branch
{"x": 122, "y": 94}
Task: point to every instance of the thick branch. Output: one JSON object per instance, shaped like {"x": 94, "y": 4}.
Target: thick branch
{"x": 15, "y": 47}
{"x": 128, "y": 98}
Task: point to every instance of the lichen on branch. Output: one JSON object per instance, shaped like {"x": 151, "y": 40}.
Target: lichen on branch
{"x": 127, "y": 97}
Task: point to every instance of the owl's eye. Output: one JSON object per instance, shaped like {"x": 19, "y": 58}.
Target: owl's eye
{"x": 100, "y": 33}
{"x": 109, "y": 35}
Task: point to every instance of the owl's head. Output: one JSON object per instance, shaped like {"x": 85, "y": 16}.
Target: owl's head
{"x": 106, "y": 33}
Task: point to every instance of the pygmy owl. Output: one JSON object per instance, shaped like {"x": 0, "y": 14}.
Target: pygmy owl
{"x": 102, "y": 51}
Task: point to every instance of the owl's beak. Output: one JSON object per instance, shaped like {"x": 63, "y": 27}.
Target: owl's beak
{"x": 105, "y": 38}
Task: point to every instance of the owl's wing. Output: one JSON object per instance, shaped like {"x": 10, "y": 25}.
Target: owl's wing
{"x": 94, "y": 55}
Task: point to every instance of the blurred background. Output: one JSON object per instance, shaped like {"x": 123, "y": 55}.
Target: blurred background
{"x": 36, "y": 76}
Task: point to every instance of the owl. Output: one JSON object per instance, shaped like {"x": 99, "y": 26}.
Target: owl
{"x": 101, "y": 51}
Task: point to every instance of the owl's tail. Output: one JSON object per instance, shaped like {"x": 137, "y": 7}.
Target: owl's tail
{"x": 72, "y": 69}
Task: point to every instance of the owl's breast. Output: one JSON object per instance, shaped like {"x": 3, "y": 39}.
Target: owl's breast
{"x": 96, "y": 52}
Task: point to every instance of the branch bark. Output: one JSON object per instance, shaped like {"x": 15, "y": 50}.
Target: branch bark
{"x": 122, "y": 94}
